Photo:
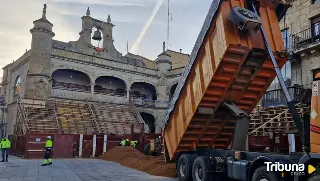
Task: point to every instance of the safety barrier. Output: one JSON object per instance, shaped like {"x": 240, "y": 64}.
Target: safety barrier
{"x": 31, "y": 145}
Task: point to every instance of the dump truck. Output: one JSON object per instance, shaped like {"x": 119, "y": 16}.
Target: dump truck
{"x": 237, "y": 55}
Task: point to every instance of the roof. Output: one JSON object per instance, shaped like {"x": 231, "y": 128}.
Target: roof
{"x": 8, "y": 65}
{"x": 131, "y": 55}
{"x": 149, "y": 63}
{"x": 178, "y": 59}
{"x": 167, "y": 51}
{"x": 164, "y": 53}
{"x": 43, "y": 20}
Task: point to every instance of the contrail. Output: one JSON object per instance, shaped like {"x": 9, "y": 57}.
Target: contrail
{"x": 135, "y": 46}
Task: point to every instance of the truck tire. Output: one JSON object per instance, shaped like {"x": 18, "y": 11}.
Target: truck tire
{"x": 314, "y": 177}
{"x": 200, "y": 170}
{"x": 184, "y": 167}
{"x": 239, "y": 16}
{"x": 146, "y": 149}
{"x": 261, "y": 174}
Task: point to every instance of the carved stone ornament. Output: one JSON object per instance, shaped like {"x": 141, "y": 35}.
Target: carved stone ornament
{"x": 40, "y": 90}
{"x": 162, "y": 81}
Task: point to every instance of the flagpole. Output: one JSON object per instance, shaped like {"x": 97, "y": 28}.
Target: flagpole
{"x": 127, "y": 44}
{"x": 168, "y": 27}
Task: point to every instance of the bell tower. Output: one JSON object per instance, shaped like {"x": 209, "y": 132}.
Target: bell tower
{"x": 104, "y": 31}
{"x": 38, "y": 85}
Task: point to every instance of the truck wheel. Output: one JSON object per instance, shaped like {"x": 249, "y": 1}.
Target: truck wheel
{"x": 261, "y": 174}
{"x": 184, "y": 167}
{"x": 146, "y": 149}
{"x": 239, "y": 16}
{"x": 200, "y": 170}
{"x": 314, "y": 177}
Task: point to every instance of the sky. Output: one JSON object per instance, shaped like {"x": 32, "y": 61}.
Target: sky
{"x": 128, "y": 16}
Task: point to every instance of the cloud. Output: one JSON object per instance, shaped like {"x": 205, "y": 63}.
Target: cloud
{"x": 127, "y": 15}
{"x": 17, "y": 21}
{"x": 135, "y": 46}
{"x": 106, "y": 2}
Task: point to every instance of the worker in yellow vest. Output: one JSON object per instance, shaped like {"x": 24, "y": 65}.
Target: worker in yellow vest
{"x": 5, "y": 146}
{"x": 133, "y": 143}
{"x": 47, "y": 152}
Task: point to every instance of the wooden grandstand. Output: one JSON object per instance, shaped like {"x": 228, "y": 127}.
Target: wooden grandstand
{"x": 76, "y": 117}
{"x": 274, "y": 119}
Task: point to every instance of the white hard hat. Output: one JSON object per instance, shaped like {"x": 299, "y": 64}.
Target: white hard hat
{"x": 49, "y": 137}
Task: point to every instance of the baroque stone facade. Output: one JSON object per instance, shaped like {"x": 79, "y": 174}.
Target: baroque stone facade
{"x": 76, "y": 70}
{"x": 301, "y": 33}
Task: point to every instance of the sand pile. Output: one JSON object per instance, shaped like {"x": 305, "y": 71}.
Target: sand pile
{"x": 132, "y": 158}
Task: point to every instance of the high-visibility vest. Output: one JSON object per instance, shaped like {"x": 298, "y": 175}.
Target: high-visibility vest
{"x": 123, "y": 142}
{"x": 133, "y": 143}
{"x": 5, "y": 144}
{"x": 48, "y": 145}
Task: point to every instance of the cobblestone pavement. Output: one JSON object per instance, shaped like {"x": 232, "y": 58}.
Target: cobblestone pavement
{"x": 71, "y": 170}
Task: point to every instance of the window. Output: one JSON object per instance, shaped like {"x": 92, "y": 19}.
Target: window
{"x": 17, "y": 86}
{"x": 286, "y": 38}
{"x": 315, "y": 27}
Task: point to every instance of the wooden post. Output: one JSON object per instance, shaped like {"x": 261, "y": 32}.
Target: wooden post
{"x": 142, "y": 137}
{"x": 105, "y": 142}
{"x": 292, "y": 143}
{"x": 94, "y": 146}
{"x": 26, "y": 145}
{"x": 80, "y": 145}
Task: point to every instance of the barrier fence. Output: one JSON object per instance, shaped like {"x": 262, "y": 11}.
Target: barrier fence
{"x": 73, "y": 145}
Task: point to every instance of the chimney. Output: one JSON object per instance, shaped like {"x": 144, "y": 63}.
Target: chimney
{"x": 164, "y": 46}
{"x": 180, "y": 50}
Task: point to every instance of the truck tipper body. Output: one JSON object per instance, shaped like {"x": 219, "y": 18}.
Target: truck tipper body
{"x": 226, "y": 64}
{"x": 237, "y": 55}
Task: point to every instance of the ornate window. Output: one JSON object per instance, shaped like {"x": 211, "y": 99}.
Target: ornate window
{"x": 17, "y": 86}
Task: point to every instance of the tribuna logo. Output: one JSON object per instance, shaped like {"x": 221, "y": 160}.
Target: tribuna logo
{"x": 284, "y": 167}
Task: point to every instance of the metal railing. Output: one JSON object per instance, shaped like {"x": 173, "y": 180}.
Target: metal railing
{"x": 138, "y": 116}
{"x": 305, "y": 38}
{"x": 277, "y": 98}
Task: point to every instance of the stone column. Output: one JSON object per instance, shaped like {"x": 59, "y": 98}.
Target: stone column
{"x": 128, "y": 94}
{"x": 92, "y": 89}
{"x": 158, "y": 128}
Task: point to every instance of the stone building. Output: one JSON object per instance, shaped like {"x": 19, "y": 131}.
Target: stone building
{"x": 301, "y": 35}
{"x": 79, "y": 71}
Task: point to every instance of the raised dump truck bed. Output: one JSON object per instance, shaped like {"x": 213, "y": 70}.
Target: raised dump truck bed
{"x": 226, "y": 65}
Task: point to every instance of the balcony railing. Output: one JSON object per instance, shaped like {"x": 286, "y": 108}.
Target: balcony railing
{"x": 276, "y": 97}
{"x": 71, "y": 87}
{"x": 111, "y": 92}
{"x": 140, "y": 98}
{"x": 304, "y": 39}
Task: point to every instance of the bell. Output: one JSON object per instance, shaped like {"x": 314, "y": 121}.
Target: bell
{"x": 97, "y": 35}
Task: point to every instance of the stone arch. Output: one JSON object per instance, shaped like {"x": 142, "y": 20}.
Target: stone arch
{"x": 143, "y": 90}
{"x": 95, "y": 77}
{"x": 149, "y": 120}
{"x": 143, "y": 81}
{"x": 72, "y": 80}
{"x": 110, "y": 85}
{"x": 64, "y": 67}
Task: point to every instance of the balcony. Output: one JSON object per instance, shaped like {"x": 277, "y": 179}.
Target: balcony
{"x": 305, "y": 39}
{"x": 276, "y": 97}
{"x": 141, "y": 99}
